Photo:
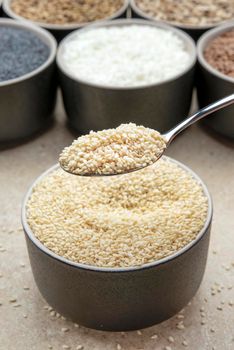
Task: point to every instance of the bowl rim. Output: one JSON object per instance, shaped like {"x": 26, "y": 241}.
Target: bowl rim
{"x": 188, "y": 41}
{"x": 42, "y": 34}
{"x": 203, "y": 43}
{"x": 6, "y": 5}
{"x": 191, "y": 27}
{"x": 51, "y": 254}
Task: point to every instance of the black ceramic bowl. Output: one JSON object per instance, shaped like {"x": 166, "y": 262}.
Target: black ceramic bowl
{"x": 194, "y": 31}
{"x": 60, "y": 31}
{"x": 213, "y": 85}
{"x": 27, "y": 102}
{"x": 161, "y": 106}
{"x": 119, "y": 299}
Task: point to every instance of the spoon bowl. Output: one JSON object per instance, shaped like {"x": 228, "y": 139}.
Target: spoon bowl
{"x": 171, "y": 134}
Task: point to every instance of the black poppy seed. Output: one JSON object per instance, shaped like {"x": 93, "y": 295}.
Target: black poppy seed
{"x": 21, "y": 52}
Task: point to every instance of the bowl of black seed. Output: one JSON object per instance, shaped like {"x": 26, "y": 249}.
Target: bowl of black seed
{"x": 27, "y": 80}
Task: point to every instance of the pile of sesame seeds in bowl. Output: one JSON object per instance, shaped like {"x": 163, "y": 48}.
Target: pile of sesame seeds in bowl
{"x": 118, "y": 221}
{"x": 113, "y": 151}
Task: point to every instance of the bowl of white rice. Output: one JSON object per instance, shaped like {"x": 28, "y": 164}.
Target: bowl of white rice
{"x": 118, "y": 253}
{"x": 126, "y": 71}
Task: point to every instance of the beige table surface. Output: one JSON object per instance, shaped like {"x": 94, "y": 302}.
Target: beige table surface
{"x": 27, "y": 324}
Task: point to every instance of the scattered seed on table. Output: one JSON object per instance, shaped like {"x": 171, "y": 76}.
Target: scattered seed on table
{"x": 21, "y": 52}
{"x": 16, "y": 305}
{"x": 230, "y": 303}
{"x": 13, "y": 300}
{"x": 180, "y": 316}
{"x": 25, "y": 316}
{"x": 66, "y": 347}
{"x": 180, "y": 325}
{"x": 185, "y": 343}
{"x": 168, "y": 347}
{"x": 64, "y": 329}
{"x": 139, "y": 332}
{"x": 118, "y": 347}
{"x": 171, "y": 339}
{"x": 80, "y": 347}
{"x": 154, "y": 336}
{"x": 76, "y": 325}
{"x": 26, "y": 288}
{"x": 203, "y": 322}
{"x": 219, "y": 308}
{"x": 212, "y": 330}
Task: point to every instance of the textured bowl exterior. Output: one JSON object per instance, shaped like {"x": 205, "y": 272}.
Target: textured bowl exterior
{"x": 212, "y": 85}
{"x": 159, "y": 106}
{"x": 27, "y": 102}
{"x": 60, "y": 31}
{"x": 27, "y": 106}
{"x": 118, "y": 299}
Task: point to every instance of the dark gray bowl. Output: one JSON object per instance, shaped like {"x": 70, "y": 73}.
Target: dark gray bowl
{"x": 119, "y": 299}
{"x": 194, "y": 31}
{"x": 213, "y": 85}
{"x": 27, "y": 102}
{"x": 160, "y": 106}
{"x": 60, "y": 31}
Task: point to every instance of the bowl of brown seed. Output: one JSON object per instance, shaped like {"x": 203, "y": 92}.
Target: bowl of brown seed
{"x": 122, "y": 252}
{"x": 215, "y": 75}
{"x": 193, "y": 16}
{"x": 62, "y": 17}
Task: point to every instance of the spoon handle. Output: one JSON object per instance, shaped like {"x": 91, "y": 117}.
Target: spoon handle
{"x": 215, "y": 106}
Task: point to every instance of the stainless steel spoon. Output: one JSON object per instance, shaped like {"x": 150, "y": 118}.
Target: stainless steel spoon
{"x": 171, "y": 134}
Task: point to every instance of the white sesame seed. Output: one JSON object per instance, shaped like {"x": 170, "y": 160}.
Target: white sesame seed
{"x": 171, "y": 339}
{"x": 139, "y": 332}
{"x": 80, "y": 347}
{"x": 64, "y": 329}
{"x": 66, "y": 347}
{"x": 118, "y": 347}
{"x": 168, "y": 347}
{"x": 154, "y": 336}
{"x": 185, "y": 343}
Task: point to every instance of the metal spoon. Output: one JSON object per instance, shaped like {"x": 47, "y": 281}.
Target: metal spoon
{"x": 171, "y": 134}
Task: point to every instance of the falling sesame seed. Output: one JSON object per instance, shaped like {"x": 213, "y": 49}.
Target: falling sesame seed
{"x": 185, "y": 343}
{"x": 79, "y": 347}
{"x": 139, "y": 332}
{"x": 118, "y": 347}
{"x": 154, "y": 336}
{"x": 64, "y": 329}
{"x": 171, "y": 339}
